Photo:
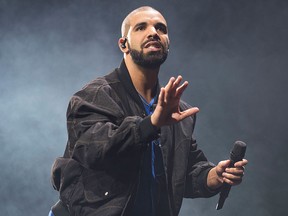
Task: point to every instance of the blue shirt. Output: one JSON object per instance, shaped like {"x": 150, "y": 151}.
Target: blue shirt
{"x": 151, "y": 167}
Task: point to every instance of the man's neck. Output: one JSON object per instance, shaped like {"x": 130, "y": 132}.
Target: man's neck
{"x": 143, "y": 79}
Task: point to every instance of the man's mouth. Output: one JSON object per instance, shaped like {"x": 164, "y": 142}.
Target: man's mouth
{"x": 153, "y": 45}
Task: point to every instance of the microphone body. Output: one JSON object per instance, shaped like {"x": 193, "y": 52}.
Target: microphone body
{"x": 237, "y": 154}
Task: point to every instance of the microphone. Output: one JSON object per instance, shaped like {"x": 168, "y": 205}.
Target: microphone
{"x": 237, "y": 154}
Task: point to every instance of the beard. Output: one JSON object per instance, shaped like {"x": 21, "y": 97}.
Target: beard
{"x": 151, "y": 60}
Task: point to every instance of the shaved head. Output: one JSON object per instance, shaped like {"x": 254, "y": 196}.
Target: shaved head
{"x": 126, "y": 22}
{"x": 144, "y": 40}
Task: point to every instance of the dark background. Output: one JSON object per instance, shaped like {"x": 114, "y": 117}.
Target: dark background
{"x": 233, "y": 53}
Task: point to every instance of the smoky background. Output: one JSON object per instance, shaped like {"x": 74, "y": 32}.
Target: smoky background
{"x": 233, "y": 53}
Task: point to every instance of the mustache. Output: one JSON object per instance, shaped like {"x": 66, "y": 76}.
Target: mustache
{"x": 152, "y": 40}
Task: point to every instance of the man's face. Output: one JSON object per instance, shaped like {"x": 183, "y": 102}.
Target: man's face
{"x": 148, "y": 40}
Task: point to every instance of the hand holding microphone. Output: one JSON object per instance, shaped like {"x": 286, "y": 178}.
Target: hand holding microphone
{"x": 234, "y": 173}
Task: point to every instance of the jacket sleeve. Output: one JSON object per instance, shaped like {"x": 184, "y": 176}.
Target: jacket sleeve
{"x": 98, "y": 128}
{"x": 196, "y": 180}
{"x": 197, "y": 172}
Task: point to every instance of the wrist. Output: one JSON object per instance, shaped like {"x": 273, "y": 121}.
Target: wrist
{"x": 154, "y": 121}
{"x": 148, "y": 131}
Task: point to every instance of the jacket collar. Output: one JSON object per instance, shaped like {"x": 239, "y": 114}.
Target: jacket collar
{"x": 125, "y": 78}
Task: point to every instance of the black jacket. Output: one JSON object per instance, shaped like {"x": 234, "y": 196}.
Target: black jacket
{"x": 108, "y": 131}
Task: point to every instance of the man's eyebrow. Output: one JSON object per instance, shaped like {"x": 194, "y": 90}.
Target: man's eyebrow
{"x": 140, "y": 24}
{"x": 161, "y": 25}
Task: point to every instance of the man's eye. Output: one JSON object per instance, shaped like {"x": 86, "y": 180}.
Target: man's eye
{"x": 162, "y": 29}
{"x": 140, "y": 28}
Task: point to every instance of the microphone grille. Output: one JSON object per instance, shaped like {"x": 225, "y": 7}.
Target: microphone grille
{"x": 239, "y": 150}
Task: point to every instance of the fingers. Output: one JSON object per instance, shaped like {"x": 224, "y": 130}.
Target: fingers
{"x": 241, "y": 163}
{"x": 181, "y": 89}
{"x": 187, "y": 113}
{"x": 234, "y": 175}
{"x": 169, "y": 89}
{"x": 232, "y": 182}
{"x": 233, "y": 178}
{"x": 173, "y": 89}
{"x": 223, "y": 164}
{"x": 167, "y": 110}
{"x": 177, "y": 83}
{"x": 161, "y": 97}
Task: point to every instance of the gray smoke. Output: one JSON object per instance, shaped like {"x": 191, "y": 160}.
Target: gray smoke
{"x": 233, "y": 53}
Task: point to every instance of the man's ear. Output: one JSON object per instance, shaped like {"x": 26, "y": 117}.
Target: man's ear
{"x": 122, "y": 44}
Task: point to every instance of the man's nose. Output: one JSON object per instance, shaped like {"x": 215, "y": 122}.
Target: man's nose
{"x": 153, "y": 33}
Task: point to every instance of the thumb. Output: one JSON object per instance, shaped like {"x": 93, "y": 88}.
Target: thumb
{"x": 222, "y": 165}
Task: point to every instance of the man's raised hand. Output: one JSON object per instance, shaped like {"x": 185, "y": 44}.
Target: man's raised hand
{"x": 167, "y": 110}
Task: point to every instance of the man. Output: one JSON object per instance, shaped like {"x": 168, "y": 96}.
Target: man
{"x": 130, "y": 149}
